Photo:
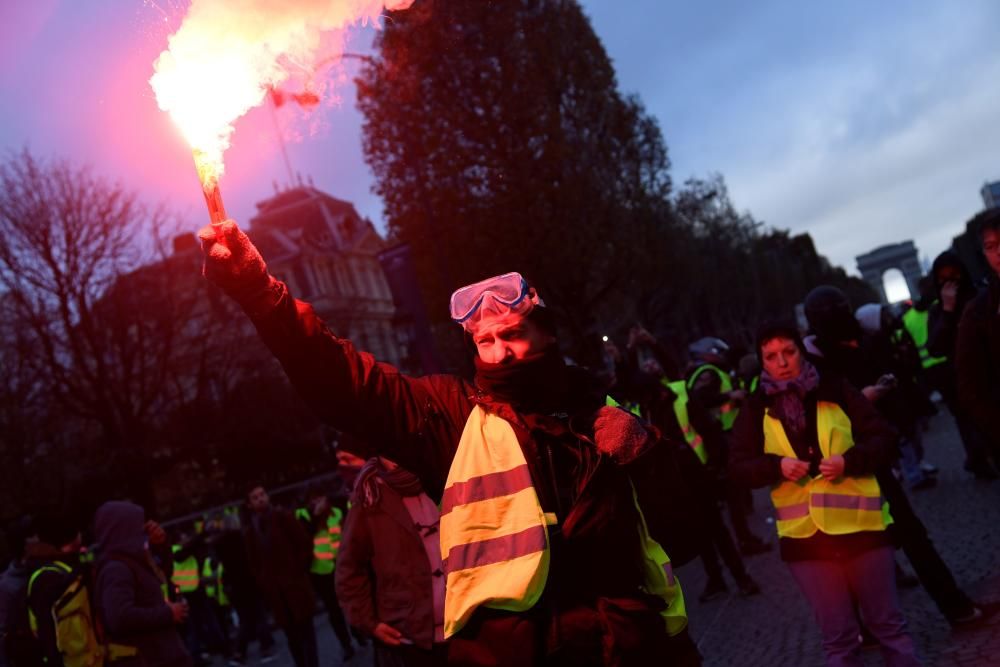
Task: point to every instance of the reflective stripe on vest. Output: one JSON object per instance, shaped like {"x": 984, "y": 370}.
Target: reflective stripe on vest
{"x": 326, "y": 543}
{"x": 916, "y": 324}
{"x": 211, "y": 574}
{"x": 494, "y": 534}
{"x": 56, "y": 566}
{"x": 728, "y": 411}
{"x": 845, "y": 505}
{"x": 185, "y": 576}
{"x": 691, "y": 436}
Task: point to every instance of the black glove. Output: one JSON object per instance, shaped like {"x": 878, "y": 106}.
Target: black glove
{"x": 235, "y": 265}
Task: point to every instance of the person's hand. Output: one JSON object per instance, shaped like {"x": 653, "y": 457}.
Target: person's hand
{"x": 832, "y": 468}
{"x": 794, "y": 469}
{"x": 949, "y": 296}
{"x": 179, "y": 611}
{"x": 155, "y": 532}
{"x": 232, "y": 262}
{"x": 388, "y": 635}
{"x": 638, "y": 335}
{"x": 620, "y": 435}
{"x": 874, "y": 392}
{"x": 888, "y": 381}
{"x": 320, "y": 506}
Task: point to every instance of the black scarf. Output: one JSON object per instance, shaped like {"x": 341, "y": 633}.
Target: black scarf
{"x": 539, "y": 383}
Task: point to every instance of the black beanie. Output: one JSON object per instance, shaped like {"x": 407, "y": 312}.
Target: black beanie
{"x": 830, "y": 315}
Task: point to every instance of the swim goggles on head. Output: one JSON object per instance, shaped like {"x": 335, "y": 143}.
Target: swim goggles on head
{"x": 493, "y": 297}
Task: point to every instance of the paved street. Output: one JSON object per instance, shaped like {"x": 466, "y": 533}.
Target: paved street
{"x": 776, "y": 628}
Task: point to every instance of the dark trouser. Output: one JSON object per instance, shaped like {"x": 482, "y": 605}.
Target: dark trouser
{"x": 301, "y": 638}
{"x": 739, "y": 500}
{"x": 410, "y": 656}
{"x": 253, "y": 624}
{"x": 323, "y": 584}
{"x": 623, "y": 632}
{"x": 720, "y": 544}
{"x": 910, "y": 534}
{"x": 201, "y": 630}
{"x": 977, "y": 449}
{"x": 836, "y": 589}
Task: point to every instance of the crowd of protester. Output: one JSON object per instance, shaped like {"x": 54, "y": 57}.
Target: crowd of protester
{"x": 535, "y": 515}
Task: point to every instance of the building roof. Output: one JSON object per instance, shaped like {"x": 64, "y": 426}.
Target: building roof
{"x": 306, "y": 218}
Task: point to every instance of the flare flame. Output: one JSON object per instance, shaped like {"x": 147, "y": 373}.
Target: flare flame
{"x": 227, "y": 54}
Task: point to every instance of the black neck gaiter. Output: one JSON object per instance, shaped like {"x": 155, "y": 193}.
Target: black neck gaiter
{"x": 539, "y": 383}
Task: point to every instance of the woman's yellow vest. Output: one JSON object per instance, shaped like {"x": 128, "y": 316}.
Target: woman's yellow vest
{"x": 495, "y": 537}
{"x": 845, "y": 505}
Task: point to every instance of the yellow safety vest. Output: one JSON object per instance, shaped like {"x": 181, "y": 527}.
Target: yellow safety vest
{"x": 915, "y": 322}
{"x": 845, "y": 505}
{"x": 494, "y": 532}
{"x": 631, "y": 407}
{"x": 326, "y": 544}
{"x": 691, "y": 436}
{"x": 211, "y": 574}
{"x": 185, "y": 576}
{"x": 728, "y": 411}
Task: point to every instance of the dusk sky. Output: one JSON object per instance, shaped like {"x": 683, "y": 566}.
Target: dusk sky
{"x": 862, "y": 123}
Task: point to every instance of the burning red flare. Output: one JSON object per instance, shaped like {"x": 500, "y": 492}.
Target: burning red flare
{"x": 228, "y": 54}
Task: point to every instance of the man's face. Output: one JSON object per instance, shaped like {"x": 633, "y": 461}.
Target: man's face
{"x": 508, "y": 338}
{"x": 258, "y": 499}
{"x": 991, "y": 249}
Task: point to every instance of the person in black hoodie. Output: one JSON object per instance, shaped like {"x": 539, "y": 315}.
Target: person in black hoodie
{"x": 836, "y": 348}
{"x": 977, "y": 351}
{"x": 954, "y": 290}
{"x": 130, "y": 591}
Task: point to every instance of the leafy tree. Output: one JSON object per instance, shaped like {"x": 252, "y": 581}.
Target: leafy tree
{"x": 500, "y": 142}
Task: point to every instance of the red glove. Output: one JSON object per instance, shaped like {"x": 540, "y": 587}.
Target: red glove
{"x": 620, "y": 435}
{"x": 234, "y": 264}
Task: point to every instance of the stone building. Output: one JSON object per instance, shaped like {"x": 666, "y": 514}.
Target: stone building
{"x": 328, "y": 255}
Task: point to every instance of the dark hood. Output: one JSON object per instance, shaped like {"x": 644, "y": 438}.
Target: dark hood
{"x": 120, "y": 528}
{"x": 966, "y": 290}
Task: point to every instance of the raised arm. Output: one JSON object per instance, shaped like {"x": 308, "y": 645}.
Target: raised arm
{"x": 414, "y": 421}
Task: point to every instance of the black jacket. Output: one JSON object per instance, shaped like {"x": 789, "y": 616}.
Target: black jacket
{"x": 44, "y": 590}
{"x": 128, "y": 590}
{"x": 977, "y": 356}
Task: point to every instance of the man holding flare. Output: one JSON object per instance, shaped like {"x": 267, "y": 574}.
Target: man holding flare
{"x": 547, "y": 556}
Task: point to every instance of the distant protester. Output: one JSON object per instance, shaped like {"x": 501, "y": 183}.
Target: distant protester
{"x": 977, "y": 350}
{"x": 137, "y": 617}
{"x": 389, "y": 574}
{"x": 279, "y": 551}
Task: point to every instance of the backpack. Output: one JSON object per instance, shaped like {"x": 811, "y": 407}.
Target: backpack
{"x": 79, "y": 636}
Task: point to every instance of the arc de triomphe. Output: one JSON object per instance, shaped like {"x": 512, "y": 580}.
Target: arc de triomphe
{"x": 902, "y": 256}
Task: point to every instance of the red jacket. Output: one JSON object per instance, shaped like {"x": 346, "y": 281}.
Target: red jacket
{"x": 418, "y": 422}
